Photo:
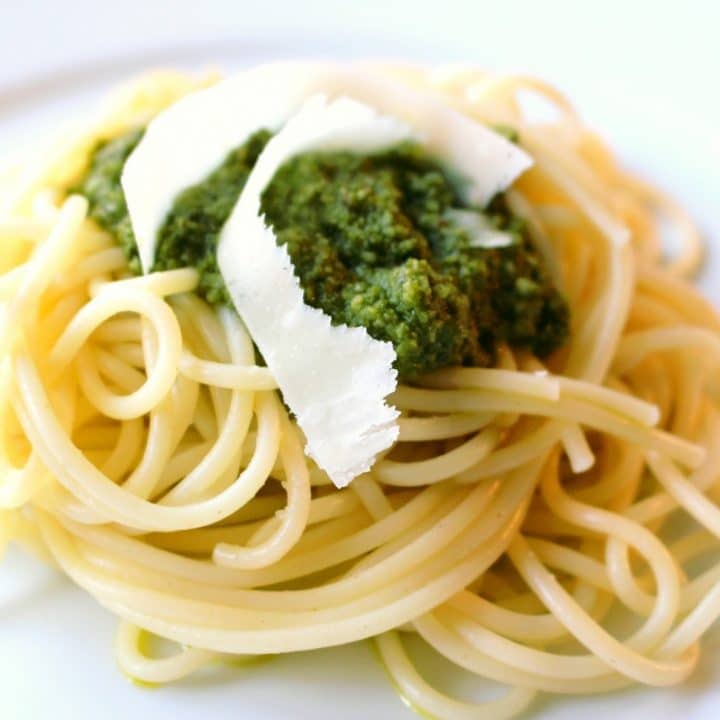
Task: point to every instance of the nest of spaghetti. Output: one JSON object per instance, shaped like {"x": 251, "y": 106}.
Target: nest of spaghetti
{"x": 548, "y": 524}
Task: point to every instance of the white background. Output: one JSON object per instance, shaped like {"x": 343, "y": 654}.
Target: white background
{"x": 646, "y": 73}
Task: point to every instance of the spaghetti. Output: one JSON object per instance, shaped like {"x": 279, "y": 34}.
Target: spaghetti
{"x": 524, "y": 513}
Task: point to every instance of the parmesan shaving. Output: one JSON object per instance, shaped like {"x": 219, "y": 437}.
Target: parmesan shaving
{"x": 481, "y": 232}
{"x": 187, "y": 141}
{"x": 334, "y": 378}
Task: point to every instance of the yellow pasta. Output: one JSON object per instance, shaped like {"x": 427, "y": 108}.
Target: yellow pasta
{"x": 144, "y": 450}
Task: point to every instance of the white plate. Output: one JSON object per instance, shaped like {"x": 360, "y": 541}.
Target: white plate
{"x": 645, "y": 77}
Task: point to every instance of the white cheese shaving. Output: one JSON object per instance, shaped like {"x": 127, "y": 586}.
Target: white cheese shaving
{"x": 481, "y": 232}
{"x": 192, "y": 137}
{"x": 334, "y": 378}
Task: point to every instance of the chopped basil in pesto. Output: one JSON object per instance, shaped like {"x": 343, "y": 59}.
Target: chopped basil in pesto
{"x": 374, "y": 243}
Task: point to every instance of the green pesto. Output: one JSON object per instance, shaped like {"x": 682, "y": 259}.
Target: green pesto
{"x": 106, "y": 200}
{"x": 373, "y": 245}
{"x": 189, "y": 234}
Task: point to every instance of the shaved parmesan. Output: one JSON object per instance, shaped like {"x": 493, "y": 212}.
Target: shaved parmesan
{"x": 192, "y": 137}
{"x": 480, "y": 230}
{"x": 334, "y": 378}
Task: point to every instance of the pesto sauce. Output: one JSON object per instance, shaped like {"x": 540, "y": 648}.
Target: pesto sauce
{"x": 105, "y": 196}
{"x": 373, "y": 245}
